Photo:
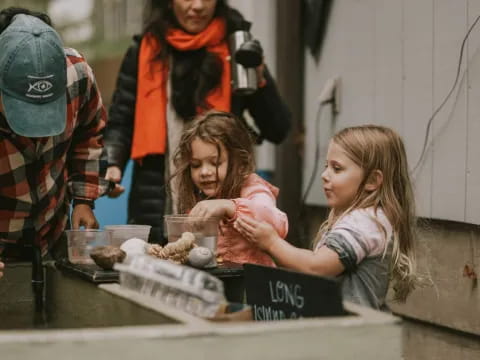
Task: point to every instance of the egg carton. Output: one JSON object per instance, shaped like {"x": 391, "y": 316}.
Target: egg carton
{"x": 183, "y": 287}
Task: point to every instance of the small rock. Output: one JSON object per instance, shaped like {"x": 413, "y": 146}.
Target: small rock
{"x": 106, "y": 256}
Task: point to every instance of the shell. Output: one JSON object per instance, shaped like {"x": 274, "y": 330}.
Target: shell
{"x": 200, "y": 256}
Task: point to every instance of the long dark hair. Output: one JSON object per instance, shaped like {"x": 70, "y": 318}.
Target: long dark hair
{"x": 194, "y": 73}
{"x": 7, "y": 14}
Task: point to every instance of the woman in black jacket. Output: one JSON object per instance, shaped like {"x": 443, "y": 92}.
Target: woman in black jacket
{"x": 177, "y": 68}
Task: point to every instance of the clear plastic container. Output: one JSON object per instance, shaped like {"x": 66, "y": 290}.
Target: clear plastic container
{"x": 183, "y": 287}
{"x": 121, "y": 233}
{"x": 205, "y": 231}
{"x": 82, "y": 242}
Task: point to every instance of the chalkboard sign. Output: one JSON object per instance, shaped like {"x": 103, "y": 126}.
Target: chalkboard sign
{"x": 276, "y": 294}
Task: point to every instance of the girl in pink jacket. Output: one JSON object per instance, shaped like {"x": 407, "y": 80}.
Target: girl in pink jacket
{"x": 215, "y": 178}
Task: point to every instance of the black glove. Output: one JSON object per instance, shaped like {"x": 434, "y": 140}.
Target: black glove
{"x": 249, "y": 54}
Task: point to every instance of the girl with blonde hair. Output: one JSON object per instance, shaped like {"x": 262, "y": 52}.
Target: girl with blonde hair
{"x": 368, "y": 238}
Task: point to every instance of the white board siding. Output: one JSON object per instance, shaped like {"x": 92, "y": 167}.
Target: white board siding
{"x": 334, "y": 56}
{"x": 388, "y": 56}
{"x": 417, "y": 93}
{"x": 347, "y": 51}
{"x": 449, "y": 127}
{"x": 397, "y": 76}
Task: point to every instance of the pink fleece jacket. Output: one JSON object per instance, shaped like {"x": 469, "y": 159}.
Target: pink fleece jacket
{"x": 258, "y": 200}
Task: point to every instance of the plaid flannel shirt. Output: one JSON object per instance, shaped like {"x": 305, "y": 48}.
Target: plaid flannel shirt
{"x": 40, "y": 176}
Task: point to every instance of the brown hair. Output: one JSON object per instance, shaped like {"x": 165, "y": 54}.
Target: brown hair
{"x": 380, "y": 148}
{"x": 216, "y": 128}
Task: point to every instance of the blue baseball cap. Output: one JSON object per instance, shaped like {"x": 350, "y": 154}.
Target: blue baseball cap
{"x": 33, "y": 78}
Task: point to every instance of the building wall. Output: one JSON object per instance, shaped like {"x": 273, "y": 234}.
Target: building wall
{"x": 397, "y": 60}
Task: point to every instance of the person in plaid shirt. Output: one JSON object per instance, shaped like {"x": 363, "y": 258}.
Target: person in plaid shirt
{"x": 51, "y": 143}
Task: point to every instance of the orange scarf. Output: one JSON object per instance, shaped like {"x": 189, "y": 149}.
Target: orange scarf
{"x": 150, "y": 127}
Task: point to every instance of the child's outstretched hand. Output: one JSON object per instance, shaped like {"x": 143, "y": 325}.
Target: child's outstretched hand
{"x": 207, "y": 209}
{"x": 258, "y": 232}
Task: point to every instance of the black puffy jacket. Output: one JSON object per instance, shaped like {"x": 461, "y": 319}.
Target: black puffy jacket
{"x": 147, "y": 195}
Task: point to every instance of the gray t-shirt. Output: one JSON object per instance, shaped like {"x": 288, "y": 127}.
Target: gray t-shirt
{"x": 360, "y": 239}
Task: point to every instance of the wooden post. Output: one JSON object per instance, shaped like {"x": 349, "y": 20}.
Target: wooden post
{"x": 289, "y": 164}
